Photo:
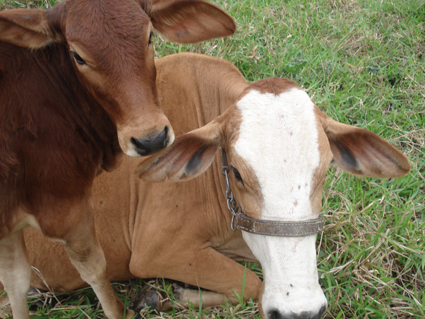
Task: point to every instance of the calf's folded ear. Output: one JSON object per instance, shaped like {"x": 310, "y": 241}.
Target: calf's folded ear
{"x": 361, "y": 152}
{"x": 189, "y": 156}
{"x": 189, "y": 21}
{"x": 29, "y": 28}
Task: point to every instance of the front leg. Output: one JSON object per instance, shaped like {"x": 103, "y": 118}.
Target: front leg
{"x": 15, "y": 273}
{"x": 205, "y": 268}
{"x": 82, "y": 245}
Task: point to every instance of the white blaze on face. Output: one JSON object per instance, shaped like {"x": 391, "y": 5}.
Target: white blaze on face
{"x": 278, "y": 138}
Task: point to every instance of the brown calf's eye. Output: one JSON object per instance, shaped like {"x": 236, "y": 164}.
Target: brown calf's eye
{"x": 77, "y": 58}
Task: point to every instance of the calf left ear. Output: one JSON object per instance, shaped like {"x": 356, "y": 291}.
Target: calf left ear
{"x": 28, "y": 28}
{"x": 189, "y": 21}
{"x": 361, "y": 152}
{"x": 24, "y": 27}
{"x": 189, "y": 156}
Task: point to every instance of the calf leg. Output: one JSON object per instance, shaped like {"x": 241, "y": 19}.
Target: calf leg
{"x": 205, "y": 268}
{"x": 88, "y": 258}
{"x": 159, "y": 301}
{"x": 15, "y": 273}
{"x": 190, "y": 296}
{"x": 76, "y": 231}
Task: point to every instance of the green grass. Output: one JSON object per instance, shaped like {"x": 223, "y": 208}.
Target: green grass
{"x": 363, "y": 63}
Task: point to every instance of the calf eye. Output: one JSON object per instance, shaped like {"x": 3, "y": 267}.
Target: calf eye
{"x": 78, "y": 58}
{"x": 237, "y": 175}
{"x": 150, "y": 38}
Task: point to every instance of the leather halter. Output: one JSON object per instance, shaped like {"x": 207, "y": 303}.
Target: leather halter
{"x": 266, "y": 227}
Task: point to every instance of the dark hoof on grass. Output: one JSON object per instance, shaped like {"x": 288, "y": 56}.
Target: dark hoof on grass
{"x": 147, "y": 298}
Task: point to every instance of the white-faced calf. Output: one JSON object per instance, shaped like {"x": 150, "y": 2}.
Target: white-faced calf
{"x": 279, "y": 146}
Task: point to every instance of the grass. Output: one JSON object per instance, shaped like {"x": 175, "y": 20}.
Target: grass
{"x": 363, "y": 63}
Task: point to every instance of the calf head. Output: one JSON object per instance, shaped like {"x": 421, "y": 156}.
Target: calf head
{"x": 279, "y": 146}
{"x": 110, "y": 45}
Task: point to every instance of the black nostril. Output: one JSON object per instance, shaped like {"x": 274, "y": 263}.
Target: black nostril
{"x": 275, "y": 314}
{"x": 150, "y": 145}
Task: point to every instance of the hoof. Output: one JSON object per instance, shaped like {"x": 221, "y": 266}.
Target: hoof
{"x": 147, "y": 298}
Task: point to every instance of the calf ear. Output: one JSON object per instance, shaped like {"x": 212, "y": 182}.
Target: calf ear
{"x": 189, "y": 156}
{"x": 29, "y": 28}
{"x": 190, "y": 21}
{"x": 361, "y": 152}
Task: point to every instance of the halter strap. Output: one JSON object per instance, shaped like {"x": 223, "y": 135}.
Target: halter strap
{"x": 266, "y": 227}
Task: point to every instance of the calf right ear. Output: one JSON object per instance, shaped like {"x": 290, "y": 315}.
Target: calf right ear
{"x": 189, "y": 21}
{"x": 361, "y": 152}
{"x": 27, "y": 28}
{"x": 189, "y": 156}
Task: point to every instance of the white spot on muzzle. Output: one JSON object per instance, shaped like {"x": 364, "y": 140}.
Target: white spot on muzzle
{"x": 278, "y": 138}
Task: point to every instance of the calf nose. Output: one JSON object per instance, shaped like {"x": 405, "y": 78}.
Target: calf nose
{"x": 275, "y": 314}
{"x": 150, "y": 145}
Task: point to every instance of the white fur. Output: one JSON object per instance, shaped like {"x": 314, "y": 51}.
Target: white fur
{"x": 278, "y": 138}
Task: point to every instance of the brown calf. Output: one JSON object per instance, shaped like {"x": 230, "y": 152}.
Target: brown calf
{"x": 77, "y": 88}
{"x": 182, "y": 230}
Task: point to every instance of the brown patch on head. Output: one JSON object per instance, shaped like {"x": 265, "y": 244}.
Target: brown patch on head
{"x": 274, "y": 86}
{"x": 319, "y": 175}
{"x": 248, "y": 195}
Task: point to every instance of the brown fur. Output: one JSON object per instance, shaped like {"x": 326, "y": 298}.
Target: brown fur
{"x": 143, "y": 241}
{"x": 39, "y": 144}
{"x": 274, "y": 86}
{"x": 64, "y": 122}
{"x": 178, "y": 230}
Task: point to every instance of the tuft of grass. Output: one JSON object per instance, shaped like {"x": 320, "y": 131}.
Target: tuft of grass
{"x": 363, "y": 63}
